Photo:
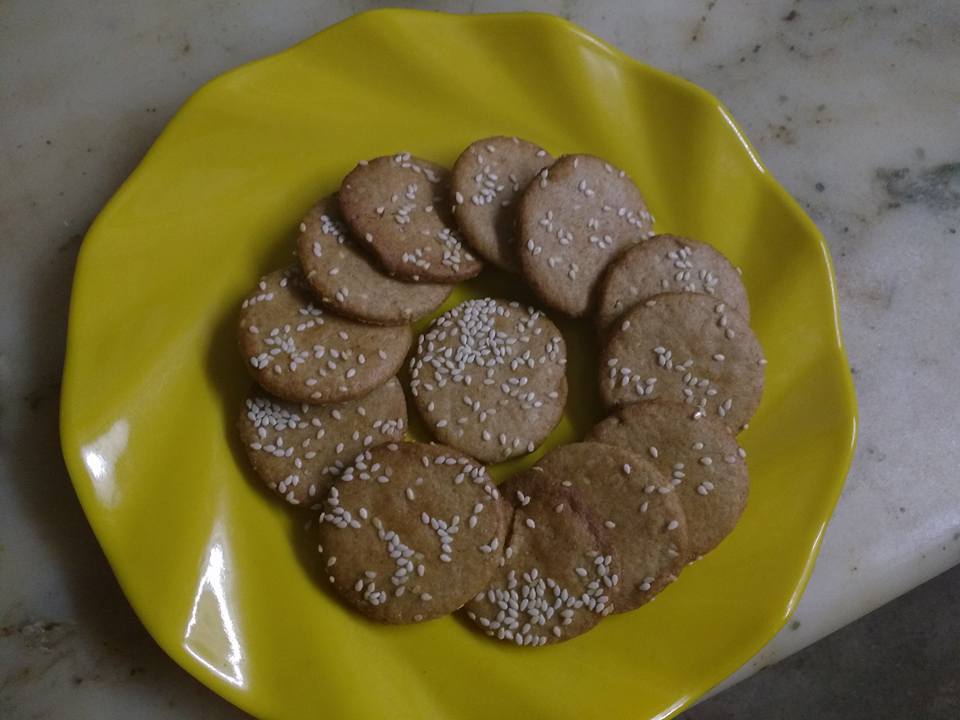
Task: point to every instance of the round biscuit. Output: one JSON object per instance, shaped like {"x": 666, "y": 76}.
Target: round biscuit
{"x": 637, "y": 508}
{"x": 298, "y": 450}
{"x": 301, "y": 353}
{"x": 485, "y": 187}
{"x": 574, "y": 218}
{"x": 668, "y": 263}
{"x": 706, "y": 466}
{"x": 345, "y": 279}
{"x": 689, "y": 348}
{"x": 558, "y": 569}
{"x": 412, "y": 531}
{"x": 488, "y": 378}
{"x": 398, "y": 207}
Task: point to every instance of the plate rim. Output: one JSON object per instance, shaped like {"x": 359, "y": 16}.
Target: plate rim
{"x": 69, "y": 445}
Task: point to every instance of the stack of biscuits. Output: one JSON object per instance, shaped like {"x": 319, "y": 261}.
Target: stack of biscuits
{"x": 411, "y": 531}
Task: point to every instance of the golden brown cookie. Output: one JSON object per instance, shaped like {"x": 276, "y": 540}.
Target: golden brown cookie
{"x": 689, "y": 348}
{"x": 299, "y": 450}
{"x": 412, "y": 532}
{"x": 638, "y": 509}
{"x": 399, "y": 208}
{"x": 701, "y": 457}
{"x": 559, "y": 570}
{"x": 668, "y": 263}
{"x": 300, "y": 353}
{"x": 488, "y": 378}
{"x": 574, "y": 218}
{"x": 345, "y": 279}
{"x": 486, "y": 183}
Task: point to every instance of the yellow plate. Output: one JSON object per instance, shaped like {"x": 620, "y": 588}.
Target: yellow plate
{"x": 221, "y": 574}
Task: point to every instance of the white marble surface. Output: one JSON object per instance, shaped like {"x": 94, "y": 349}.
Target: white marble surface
{"x": 854, "y": 106}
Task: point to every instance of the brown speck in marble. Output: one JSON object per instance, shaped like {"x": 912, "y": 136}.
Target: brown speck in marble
{"x": 701, "y": 22}
{"x": 795, "y": 625}
{"x": 875, "y": 294}
{"x": 186, "y": 48}
{"x": 756, "y": 48}
{"x": 876, "y": 454}
{"x": 791, "y": 16}
{"x": 820, "y": 187}
{"x": 782, "y": 133}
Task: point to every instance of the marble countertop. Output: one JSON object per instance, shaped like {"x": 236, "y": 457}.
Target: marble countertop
{"x": 851, "y": 105}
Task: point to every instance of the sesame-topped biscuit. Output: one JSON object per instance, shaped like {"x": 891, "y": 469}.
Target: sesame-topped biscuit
{"x": 412, "y": 531}
{"x": 488, "y": 378}
{"x": 301, "y": 353}
{"x": 345, "y": 279}
{"x": 486, "y": 183}
{"x": 638, "y": 509}
{"x": 298, "y": 450}
{"x": 574, "y": 218}
{"x": 558, "y": 571}
{"x": 689, "y": 348}
{"x": 706, "y": 466}
{"x": 398, "y": 207}
{"x": 668, "y": 263}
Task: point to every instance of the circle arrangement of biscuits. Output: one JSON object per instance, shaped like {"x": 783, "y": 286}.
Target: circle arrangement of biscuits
{"x": 412, "y": 531}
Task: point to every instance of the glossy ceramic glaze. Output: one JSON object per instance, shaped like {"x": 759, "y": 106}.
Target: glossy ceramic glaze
{"x": 221, "y": 574}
